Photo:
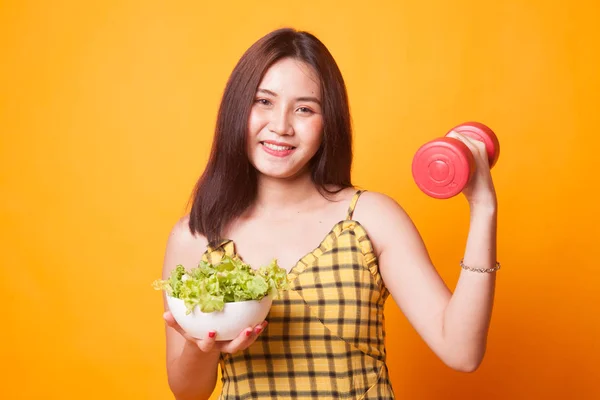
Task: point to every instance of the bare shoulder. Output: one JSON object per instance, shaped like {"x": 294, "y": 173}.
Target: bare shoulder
{"x": 376, "y": 209}
{"x": 183, "y": 247}
{"x": 384, "y": 219}
{"x": 180, "y": 234}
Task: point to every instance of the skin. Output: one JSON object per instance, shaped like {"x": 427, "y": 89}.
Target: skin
{"x": 290, "y": 218}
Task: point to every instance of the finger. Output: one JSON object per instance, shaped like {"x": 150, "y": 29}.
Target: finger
{"x": 205, "y": 345}
{"x": 243, "y": 340}
{"x": 463, "y": 138}
{"x": 476, "y": 146}
{"x": 171, "y": 322}
{"x": 471, "y": 141}
{"x": 208, "y": 343}
{"x": 258, "y": 329}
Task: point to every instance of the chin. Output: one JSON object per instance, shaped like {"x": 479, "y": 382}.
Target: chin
{"x": 290, "y": 167}
{"x": 279, "y": 172}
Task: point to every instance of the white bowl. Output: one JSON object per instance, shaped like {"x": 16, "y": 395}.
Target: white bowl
{"x": 228, "y": 323}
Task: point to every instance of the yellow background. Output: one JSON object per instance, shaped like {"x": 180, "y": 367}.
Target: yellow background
{"x": 106, "y": 117}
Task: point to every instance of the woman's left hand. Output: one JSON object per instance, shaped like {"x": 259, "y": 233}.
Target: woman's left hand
{"x": 479, "y": 191}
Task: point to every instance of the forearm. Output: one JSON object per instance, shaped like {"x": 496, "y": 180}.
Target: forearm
{"x": 468, "y": 314}
{"x": 193, "y": 375}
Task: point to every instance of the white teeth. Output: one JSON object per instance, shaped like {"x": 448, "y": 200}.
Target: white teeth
{"x": 277, "y": 148}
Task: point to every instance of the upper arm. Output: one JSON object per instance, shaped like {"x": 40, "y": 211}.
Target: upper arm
{"x": 405, "y": 266}
{"x": 185, "y": 249}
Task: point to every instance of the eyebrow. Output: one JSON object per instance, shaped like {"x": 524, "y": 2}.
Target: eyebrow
{"x": 303, "y": 98}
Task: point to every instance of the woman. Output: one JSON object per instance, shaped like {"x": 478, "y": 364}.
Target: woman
{"x": 278, "y": 185}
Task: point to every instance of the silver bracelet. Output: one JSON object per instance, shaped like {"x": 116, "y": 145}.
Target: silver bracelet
{"x": 481, "y": 270}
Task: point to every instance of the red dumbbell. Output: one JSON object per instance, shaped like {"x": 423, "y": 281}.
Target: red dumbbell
{"x": 443, "y": 167}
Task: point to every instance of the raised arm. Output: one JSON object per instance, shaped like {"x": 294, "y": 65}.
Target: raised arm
{"x": 454, "y": 325}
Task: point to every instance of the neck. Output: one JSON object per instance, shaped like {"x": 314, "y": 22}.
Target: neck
{"x": 284, "y": 196}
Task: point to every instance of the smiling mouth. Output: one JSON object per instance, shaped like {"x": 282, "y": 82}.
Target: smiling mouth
{"x": 277, "y": 147}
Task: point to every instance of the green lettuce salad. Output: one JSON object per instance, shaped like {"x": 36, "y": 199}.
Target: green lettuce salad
{"x": 210, "y": 286}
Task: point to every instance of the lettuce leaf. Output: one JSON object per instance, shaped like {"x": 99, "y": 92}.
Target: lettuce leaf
{"x": 210, "y": 286}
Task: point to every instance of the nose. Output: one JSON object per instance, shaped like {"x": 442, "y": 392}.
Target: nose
{"x": 280, "y": 123}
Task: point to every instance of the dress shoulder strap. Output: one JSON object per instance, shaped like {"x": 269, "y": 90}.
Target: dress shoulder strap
{"x": 353, "y": 203}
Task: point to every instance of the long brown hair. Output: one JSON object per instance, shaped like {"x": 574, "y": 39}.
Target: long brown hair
{"x": 228, "y": 185}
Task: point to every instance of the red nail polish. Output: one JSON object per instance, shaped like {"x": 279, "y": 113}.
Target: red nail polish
{"x": 258, "y": 330}
{"x": 248, "y": 333}
{"x": 211, "y": 334}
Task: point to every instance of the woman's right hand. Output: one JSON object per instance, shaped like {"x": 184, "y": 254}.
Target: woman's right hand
{"x": 243, "y": 341}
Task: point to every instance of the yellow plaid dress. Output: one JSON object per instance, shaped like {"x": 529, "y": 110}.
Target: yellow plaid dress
{"x": 325, "y": 336}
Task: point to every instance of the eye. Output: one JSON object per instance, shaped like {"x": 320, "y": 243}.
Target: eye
{"x": 263, "y": 102}
{"x": 305, "y": 110}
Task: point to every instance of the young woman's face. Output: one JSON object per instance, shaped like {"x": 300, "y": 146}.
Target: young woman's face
{"x": 286, "y": 122}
